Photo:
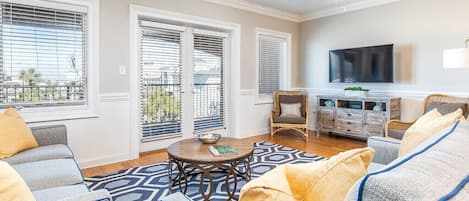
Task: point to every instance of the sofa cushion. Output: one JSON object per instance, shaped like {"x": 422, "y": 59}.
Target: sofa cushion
{"x": 15, "y": 136}
{"x": 12, "y": 186}
{"x": 60, "y": 193}
{"x": 41, "y": 153}
{"x": 446, "y": 108}
{"x": 415, "y": 135}
{"x": 430, "y": 172}
{"x": 49, "y": 173}
{"x": 289, "y": 120}
{"x": 324, "y": 180}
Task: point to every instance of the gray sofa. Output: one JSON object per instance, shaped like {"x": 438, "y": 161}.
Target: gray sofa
{"x": 51, "y": 171}
{"x": 438, "y": 169}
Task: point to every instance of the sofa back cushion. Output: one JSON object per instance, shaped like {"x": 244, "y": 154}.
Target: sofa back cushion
{"x": 324, "y": 180}
{"x": 12, "y": 186}
{"x": 432, "y": 171}
{"x": 15, "y": 136}
{"x": 422, "y": 130}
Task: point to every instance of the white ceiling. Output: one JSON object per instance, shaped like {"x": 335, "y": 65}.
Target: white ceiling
{"x": 301, "y": 10}
{"x": 303, "y": 7}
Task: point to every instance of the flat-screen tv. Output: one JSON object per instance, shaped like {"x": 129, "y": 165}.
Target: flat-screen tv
{"x": 365, "y": 64}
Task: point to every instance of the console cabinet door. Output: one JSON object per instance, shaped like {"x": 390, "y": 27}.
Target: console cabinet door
{"x": 326, "y": 118}
{"x": 375, "y": 123}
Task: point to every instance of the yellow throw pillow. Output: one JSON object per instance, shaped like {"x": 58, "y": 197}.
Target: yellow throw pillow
{"x": 429, "y": 116}
{"x": 12, "y": 186}
{"x": 326, "y": 180}
{"x": 15, "y": 136}
{"x": 415, "y": 135}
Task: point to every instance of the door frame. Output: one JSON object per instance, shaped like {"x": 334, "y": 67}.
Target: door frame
{"x": 232, "y": 81}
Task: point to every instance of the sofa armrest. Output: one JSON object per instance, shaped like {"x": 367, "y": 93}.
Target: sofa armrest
{"x": 99, "y": 195}
{"x": 49, "y": 135}
{"x": 386, "y": 149}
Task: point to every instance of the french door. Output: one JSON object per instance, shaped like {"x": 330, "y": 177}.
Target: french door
{"x": 182, "y": 80}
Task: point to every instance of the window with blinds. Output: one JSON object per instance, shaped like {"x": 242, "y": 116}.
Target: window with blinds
{"x": 43, "y": 56}
{"x": 271, "y": 60}
{"x": 208, "y": 71}
{"x": 160, "y": 68}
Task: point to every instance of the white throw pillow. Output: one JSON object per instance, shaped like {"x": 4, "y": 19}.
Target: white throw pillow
{"x": 290, "y": 109}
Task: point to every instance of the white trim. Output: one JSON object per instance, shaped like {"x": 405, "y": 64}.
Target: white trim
{"x": 235, "y": 36}
{"x": 255, "y": 8}
{"x": 381, "y": 92}
{"x": 114, "y": 97}
{"x": 56, "y": 113}
{"x": 285, "y": 71}
{"x": 295, "y": 17}
{"x": 69, "y": 5}
{"x": 345, "y": 9}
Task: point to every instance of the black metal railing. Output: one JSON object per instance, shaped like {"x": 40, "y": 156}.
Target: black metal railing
{"x": 161, "y": 104}
{"x": 17, "y": 95}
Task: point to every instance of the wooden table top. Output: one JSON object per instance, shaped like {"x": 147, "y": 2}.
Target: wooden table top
{"x": 192, "y": 150}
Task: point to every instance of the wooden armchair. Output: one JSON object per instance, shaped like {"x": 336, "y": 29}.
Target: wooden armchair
{"x": 396, "y": 128}
{"x": 278, "y": 122}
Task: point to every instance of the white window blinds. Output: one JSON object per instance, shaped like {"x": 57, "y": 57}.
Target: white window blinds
{"x": 43, "y": 56}
{"x": 271, "y": 60}
{"x": 160, "y": 68}
{"x": 208, "y": 71}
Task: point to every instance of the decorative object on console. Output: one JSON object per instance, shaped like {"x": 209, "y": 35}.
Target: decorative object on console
{"x": 356, "y": 91}
{"x": 378, "y": 107}
{"x": 456, "y": 58}
{"x": 357, "y": 117}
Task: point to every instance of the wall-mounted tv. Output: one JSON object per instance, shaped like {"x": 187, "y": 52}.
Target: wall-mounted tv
{"x": 365, "y": 64}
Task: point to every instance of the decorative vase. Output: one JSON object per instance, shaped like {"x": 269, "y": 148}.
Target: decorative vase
{"x": 378, "y": 107}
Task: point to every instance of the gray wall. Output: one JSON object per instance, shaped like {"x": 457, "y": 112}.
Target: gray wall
{"x": 114, "y": 36}
{"x": 420, "y": 30}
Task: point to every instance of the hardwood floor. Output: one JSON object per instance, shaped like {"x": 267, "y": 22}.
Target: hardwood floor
{"x": 322, "y": 145}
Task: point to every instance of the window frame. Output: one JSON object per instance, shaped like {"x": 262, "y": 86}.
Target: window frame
{"x": 68, "y": 112}
{"x": 285, "y": 69}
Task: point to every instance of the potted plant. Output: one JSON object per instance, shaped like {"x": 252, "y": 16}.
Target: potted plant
{"x": 356, "y": 91}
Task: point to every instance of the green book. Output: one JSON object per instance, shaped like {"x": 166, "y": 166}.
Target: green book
{"x": 224, "y": 149}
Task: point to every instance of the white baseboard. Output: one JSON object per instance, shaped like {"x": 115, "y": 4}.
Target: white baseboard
{"x": 103, "y": 160}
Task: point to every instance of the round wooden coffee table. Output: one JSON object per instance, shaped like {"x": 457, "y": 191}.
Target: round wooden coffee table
{"x": 192, "y": 157}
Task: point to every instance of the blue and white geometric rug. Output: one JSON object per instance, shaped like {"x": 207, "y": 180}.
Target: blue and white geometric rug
{"x": 150, "y": 182}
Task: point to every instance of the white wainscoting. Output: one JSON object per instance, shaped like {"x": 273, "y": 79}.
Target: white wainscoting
{"x": 255, "y": 118}
{"x": 104, "y": 138}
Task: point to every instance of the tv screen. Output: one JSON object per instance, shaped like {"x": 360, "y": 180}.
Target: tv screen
{"x": 365, "y": 64}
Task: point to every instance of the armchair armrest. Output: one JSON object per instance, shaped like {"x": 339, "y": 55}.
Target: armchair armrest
{"x": 99, "y": 195}
{"x": 396, "y": 125}
{"x": 386, "y": 149}
{"x": 49, "y": 135}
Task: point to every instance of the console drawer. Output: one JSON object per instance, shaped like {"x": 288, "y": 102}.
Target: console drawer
{"x": 349, "y": 126}
{"x": 346, "y": 114}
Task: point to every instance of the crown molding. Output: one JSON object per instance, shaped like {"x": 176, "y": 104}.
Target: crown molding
{"x": 345, "y": 9}
{"x": 272, "y": 12}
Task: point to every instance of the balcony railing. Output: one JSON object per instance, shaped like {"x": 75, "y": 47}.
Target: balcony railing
{"x": 30, "y": 96}
{"x": 161, "y": 104}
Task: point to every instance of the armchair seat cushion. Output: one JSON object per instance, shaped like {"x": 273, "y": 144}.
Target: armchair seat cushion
{"x": 289, "y": 120}
{"x": 396, "y": 134}
{"x": 60, "y": 193}
{"x": 50, "y": 173}
{"x": 41, "y": 153}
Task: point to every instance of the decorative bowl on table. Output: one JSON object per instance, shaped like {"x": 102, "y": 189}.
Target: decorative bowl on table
{"x": 209, "y": 138}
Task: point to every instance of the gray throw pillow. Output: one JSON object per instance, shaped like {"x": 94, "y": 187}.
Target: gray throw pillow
{"x": 446, "y": 108}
